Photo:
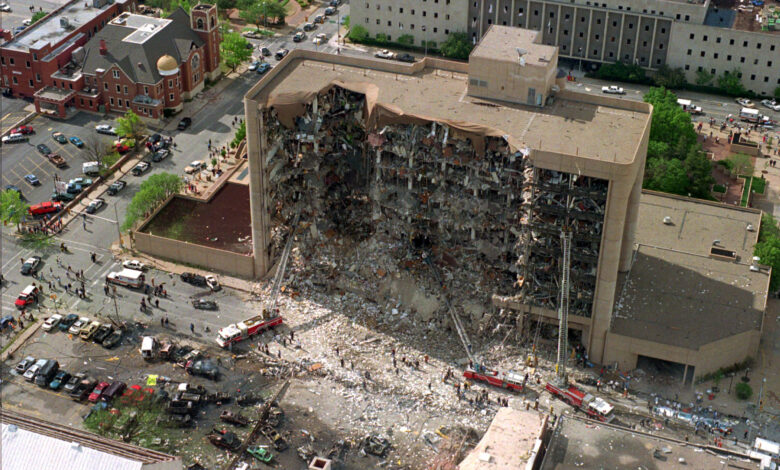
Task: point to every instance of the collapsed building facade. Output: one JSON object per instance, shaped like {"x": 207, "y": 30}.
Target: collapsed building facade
{"x": 474, "y": 167}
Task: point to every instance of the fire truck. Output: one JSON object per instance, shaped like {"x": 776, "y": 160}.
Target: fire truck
{"x": 247, "y": 328}
{"x": 594, "y": 407}
{"x": 508, "y": 380}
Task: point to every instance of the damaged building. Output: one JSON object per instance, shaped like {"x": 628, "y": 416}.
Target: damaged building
{"x": 475, "y": 168}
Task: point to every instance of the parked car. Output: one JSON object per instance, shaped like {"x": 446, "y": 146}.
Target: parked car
{"x": 334, "y": 3}
{"x": 59, "y": 137}
{"x": 141, "y": 168}
{"x": 43, "y": 149}
{"x": 88, "y": 331}
{"x": 56, "y": 160}
{"x": 10, "y": 187}
{"x": 105, "y": 129}
{"x": 5, "y": 8}
{"x": 406, "y": 58}
{"x": 253, "y": 66}
{"x": 265, "y": 51}
{"x": 263, "y": 68}
{"x": 81, "y": 181}
{"x": 160, "y": 155}
{"x": 134, "y": 264}
{"x": 32, "y": 371}
{"x": 97, "y": 392}
{"x": 113, "y": 339}
{"x": 27, "y": 297}
{"x": 83, "y": 389}
{"x": 202, "y": 367}
{"x": 121, "y": 147}
{"x": 613, "y": 90}
{"x": 745, "y": 103}
{"x": 76, "y": 141}
{"x": 224, "y": 439}
{"x": 385, "y": 54}
{"x": 116, "y": 186}
{"x": 73, "y": 189}
{"x": 192, "y": 278}
{"x": 309, "y": 27}
{"x": 60, "y": 378}
{"x": 44, "y": 376}
{"x": 31, "y": 265}
{"x": 212, "y": 282}
{"x": 51, "y": 322}
{"x": 24, "y": 364}
{"x": 203, "y": 304}
{"x": 76, "y": 327}
{"x": 46, "y": 207}
{"x": 281, "y": 54}
{"x": 23, "y": 130}
{"x": 114, "y": 390}
{"x": 299, "y": 36}
{"x": 14, "y": 138}
{"x": 771, "y": 104}
{"x": 330, "y": 11}
{"x": 67, "y": 322}
{"x": 102, "y": 333}
{"x": 321, "y": 38}
{"x": 194, "y": 166}
{"x": 73, "y": 382}
{"x": 184, "y": 123}
{"x": 32, "y": 179}
{"x": 95, "y": 205}
{"x": 319, "y": 19}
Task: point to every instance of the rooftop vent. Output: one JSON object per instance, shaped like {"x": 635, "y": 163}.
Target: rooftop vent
{"x": 723, "y": 254}
{"x": 754, "y": 265}
{"x": 65, "y": 23}
{"x": 521, "y": 55}
{"x": 668, "y": 220}
{"x": 750, "y": 228}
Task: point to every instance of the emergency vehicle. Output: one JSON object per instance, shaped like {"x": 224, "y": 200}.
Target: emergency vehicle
{"x": 247, "y": 328}
{"x": 594, "y": 407}
{"x": 127, "y": 278}
{"x": 28, "y": 296}
{"x": 509, "y": 380}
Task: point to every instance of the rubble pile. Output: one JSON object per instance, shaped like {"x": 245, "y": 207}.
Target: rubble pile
{"x": 377, "y": 195}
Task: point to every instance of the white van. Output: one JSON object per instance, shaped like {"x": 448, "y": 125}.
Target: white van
{"x": 90, "y": 168}
{"x": 14, "y": 138}
{"x": 148, "y": 347}
{"x": 749, "y": 115}
{"x": 127, "y": 277}
{"x": 689, "y": 107}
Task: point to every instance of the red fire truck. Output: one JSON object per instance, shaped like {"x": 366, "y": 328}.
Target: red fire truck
{"x": 594, "y": 407}
{"x": 243, "y": 330}
{"x": 509, "y": 380}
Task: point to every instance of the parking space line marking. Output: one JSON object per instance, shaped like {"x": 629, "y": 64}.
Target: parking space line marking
{"x": 19, "y": 254}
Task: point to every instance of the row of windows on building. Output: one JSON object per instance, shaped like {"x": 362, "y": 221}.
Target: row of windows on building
{"x": 678, "y": 16}
{"x": 566, "y": 16}
{"x": 610, "y": 55}
{"x": 401, "y": 26}
{"x": 716, "y": 55}
{"x": 718, "y": 40}
{"x": 413, "y": 12}
{"x": 753, "y": 76}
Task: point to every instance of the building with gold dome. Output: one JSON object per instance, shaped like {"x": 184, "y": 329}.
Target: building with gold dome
{"x": 140, "y": 63}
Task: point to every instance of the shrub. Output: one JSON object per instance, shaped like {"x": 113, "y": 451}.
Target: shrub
{"x": 406, "y": 39}
{"x": 725, "y": 163}
{"x": 358, "y": 33}
{"x": 381, "y": 38}
{"x": 719, "y": 188}
{"x": 744, "y": 391}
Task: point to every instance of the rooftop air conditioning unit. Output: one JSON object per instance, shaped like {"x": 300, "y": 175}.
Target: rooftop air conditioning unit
{"x": 750, "y": 228}
{"x": 667, "y": 220}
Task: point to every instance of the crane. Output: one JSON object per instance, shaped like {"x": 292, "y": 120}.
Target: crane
{"x": 563, "y": 309}
{"x": 282, "y": 267}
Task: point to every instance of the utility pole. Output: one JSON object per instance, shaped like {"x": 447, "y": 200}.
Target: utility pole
{"x": 425, "y": 40}
{"x": 118, "y": 232}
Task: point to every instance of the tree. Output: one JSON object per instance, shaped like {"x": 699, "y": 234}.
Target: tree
{"x": 668, "y": 176}
{"x": 234, "y": 50}
{"x": 777, "y": 93}
{"x": 151, "y": 194}
{"x": 742, "y": 164}
{"x": 670, "y": 126}
{"x": 239, "y": 136}
{"x": 456, "y": 46}
{"x": 97, "y": 148}
{"x": 622, "y": 72}
{"x": 731, "y": 83}
{"x": 253, "y": 14}
{"x": 704, "y": 78}
{"x": 406, "y": 39}
{"x": 669, "y": 77}
{"x": 769, "y": 253}
{"x": 743, "y": 390}
{"x": 12, "y": 208}
{"x": 769, "y": 228}
{"x": 37, "y": 16}
{"x": 699, "y": 169}
{"x": 358, "y": 34}
{"x": 255, "y": 11}
{"x": 130, "y": 126}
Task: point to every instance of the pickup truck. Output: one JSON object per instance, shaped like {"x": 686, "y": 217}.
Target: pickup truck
{"x": 613, "y": 90}
{"x": 56, "y": 160}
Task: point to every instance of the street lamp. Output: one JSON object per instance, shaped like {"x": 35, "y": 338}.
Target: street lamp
{"x": 425, "y": 40}
{"x": 731, "y": 381}
{"x": 746, "y": 378}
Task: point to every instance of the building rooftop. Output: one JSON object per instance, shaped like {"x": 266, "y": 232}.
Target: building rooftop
{"x": 509, "y": 443}
{"x": 576, "y": 443}
{"x": 499, "y": 44}
{"x": 34, "y": 444}
{"x": 673, "y": 272}
{"x": 584, "y": 128}
{"x": 50, "y": 30}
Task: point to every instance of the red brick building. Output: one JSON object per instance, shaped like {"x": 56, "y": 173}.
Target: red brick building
{"x": 135, "y": 62}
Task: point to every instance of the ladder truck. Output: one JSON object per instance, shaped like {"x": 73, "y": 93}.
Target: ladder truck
{"x": 594, "y": 407}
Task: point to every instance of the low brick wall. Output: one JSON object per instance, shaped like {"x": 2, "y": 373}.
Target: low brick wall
{"x": 198, "y": 255}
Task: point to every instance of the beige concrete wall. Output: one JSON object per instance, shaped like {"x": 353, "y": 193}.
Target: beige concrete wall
{"x": 395, "y": 18}
{"x": 624, "y": 350}
{"x": 509, "y": 81}
{"x": 759, "y": 68}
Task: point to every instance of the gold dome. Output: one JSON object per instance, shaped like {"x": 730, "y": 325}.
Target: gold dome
{"x": 167, "y": 63}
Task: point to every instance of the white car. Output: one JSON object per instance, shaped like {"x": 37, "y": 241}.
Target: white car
{"x": 212, "y": 282}
{"x": 95, "y": 205}
{"x": 5, "y": 7}
{"x": 134, "y": 264}
{"x": 80, "y": 323}
{"x": 52, "y": 322}
{"x": 613, "y": 90}
{"x": 196, "y": 165}
{"x": 745, "y": 103}
{"x": 321, "y": 38}
{"x": 771, "y": 104}
{"x": 27, "y": 22}
{"x": 385, "y": 54}
{"x": 105, "y": 129}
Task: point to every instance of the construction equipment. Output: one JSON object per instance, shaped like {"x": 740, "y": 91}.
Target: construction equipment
{"x": 563, "y": 310}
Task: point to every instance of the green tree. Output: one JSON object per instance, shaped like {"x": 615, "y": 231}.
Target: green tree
{"x": 239, "y": 136}
{"x": 670, "y": 125}
{"x": 234, "y": 50}
{"x": 699, "y": 169}
{"x": 731, "y": 83}
{"x": 456, "y": 46}
{"x": 346, "y": 21}
{"x": 769, "y": 253}
{"x": 358, "y": 34}
{"x": 406, "y": 39}
{"x": 130, "y": 125}
{"x": 381, "y": 38}
{"x": 151, "y": 194}
{"x": 670, "y": 77}
{"x": 12, "y": 208}
{"x": 668, "y": 176}
{"x": 741, "y": 164}
{"x": 743, "y": 390}
{"x": 769, "y": 228}
{"x": 704, "y": 78}
{"x": 255, "y": 11}
{"x": 622, "y": 72}
{"x": 37, "y": 16}
{"x": 777, "y": 93}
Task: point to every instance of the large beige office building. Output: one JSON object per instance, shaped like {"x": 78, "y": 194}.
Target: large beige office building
{"x": 691, "y": 35}
{"x": 476, "y": 167}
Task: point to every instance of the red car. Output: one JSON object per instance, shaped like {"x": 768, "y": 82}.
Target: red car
{"x": 121, "y": 147}
{"x": 23, "y": 130}
{"x": 97, "y": 392}
{"x": 45, "y": 208}
{"x": 28, "y": 296}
